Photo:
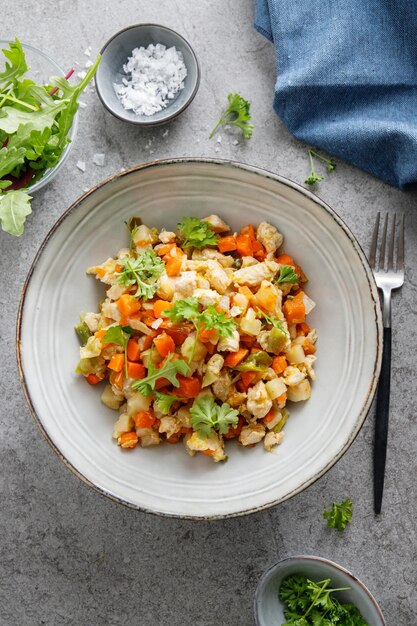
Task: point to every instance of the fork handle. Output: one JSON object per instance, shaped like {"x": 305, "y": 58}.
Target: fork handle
{"x": 381, "y": 421}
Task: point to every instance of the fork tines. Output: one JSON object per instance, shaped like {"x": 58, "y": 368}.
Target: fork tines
{"x": 382, "y": 263}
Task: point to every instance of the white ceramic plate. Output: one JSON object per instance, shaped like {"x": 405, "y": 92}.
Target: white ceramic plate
{"x": 164, "y": 479}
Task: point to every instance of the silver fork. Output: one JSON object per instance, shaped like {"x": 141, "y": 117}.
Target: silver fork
{"x": 389, "y": 275}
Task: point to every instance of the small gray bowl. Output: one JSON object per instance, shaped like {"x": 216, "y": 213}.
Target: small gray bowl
{"x": 115, "y": 54}
{"x": 269, "y": 610}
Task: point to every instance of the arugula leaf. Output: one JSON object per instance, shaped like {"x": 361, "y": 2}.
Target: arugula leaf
{"x": 164, "y": 401}
{"x": 14, "y": 207}
{"x": 168, "y": 370}
{"x": 207, "y": 416}
{"x": 143, "y": 271}
{"x": 313, "y": 177}
{"x": 119, "y": 335}
{"x": 287, "y": 275}
{"x": 213, "y": 319}
{"x": 196, "y": 233}
{"x": 339, "y": 515}
{"x": 17, "y": 63}
{"x": 11, "y": 118}
{"x": 9, "y": 158}
{"x": 239, "y": 108}
{"x": 182, "y": 310}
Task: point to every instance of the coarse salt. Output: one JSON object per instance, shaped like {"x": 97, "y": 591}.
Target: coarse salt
{"x": 155, "y": 75}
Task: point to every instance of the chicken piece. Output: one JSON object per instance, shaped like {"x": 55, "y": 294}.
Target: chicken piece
{"x": 206, "y": 297}
{"x": 247, "y": 261}
{"x": 312, "y": 336}
{"x": 197, "y": 266}
{"x": 255, "y": 274}
{"x": 195, "y": 443}
{"x": 269, "y": 237}
{"x": 300, "y": 392}
{"x": 236, "y": 398}
{"x": 235, "y": 311}
{"x": 123, "y": 425}
{"x": 292, "y": 376}
{"x": 185, "y": 285}
{"x": 92, "y": 320}
{"x": 110, "y": 310}
{"x": 105, "y": 272}
{"x": 309, "y": 360}
{"x": 202, "y": 283}
{"x": 272, "y": 439}
{"x": 216, "y": 224}
{"x": 184, "y": 417}
{"x": 251, "y": 434}
{"x": 148, "y": 437}
{"x": 166, "y": 236}
{"x": 169, "y": 425}
{"x": 213, "y": 368}
{"x": 115, "y": 291}
{"x": 259, "y": 403}
{"x": 222, "y": 386}
{"x": 229, "y": 344}
{"x": 205, "y": 254}
{"x": 217, "y": 277}
{"x": 166, "y": 286}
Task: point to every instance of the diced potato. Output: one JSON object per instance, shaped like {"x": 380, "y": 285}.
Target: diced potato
{"x": 295, "y": 354}
{"x": 150, "y": 438}
{"x": 123, "y": 425}
{"x": 109, "y": 398}
{"x": 137, "y": 402}
{"x": 299, "y": 392}
{"x": 250, "y": 324}
{"x": 188, "y": 346}
{"x": 275, "y": 388}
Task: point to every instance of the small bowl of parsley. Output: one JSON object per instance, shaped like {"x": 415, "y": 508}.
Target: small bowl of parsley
{"x": 310, "y": 590}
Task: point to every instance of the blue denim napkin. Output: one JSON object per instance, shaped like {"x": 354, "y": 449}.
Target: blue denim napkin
{"x": 347, "y": 79}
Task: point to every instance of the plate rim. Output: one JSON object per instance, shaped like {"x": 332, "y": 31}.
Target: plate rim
{"x": 265, "y": 173}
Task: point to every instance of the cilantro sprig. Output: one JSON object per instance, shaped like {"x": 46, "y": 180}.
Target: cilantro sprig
{"x": 168, "y": 370}
{"x": 208, "y": 417}
{"x": 339, "y": 515}
{"x": 196, "y": 233}
{"x": 236, "y": 114}
{"x": 142, "y": 271}
{"x": 310, "y": 603}
{"x": 313, "y": 177}
{"x": 164, "y": 401}
{"x": 119, "y": 335}
{"x": 287, "y": 274}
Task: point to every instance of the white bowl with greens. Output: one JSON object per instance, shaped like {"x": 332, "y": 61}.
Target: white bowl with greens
{"x": 304, "y": 590}
{"x": 38, "y": 123}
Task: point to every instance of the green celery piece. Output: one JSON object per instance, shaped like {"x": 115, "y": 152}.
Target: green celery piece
{"x": 83, "y": 332}
{"x": 256, "y": 362}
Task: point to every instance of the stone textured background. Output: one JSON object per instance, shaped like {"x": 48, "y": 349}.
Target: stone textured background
{"x": 69, "y": 556}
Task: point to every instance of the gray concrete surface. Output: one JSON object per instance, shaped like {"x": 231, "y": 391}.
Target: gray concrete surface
{"x": 70, "y": 556}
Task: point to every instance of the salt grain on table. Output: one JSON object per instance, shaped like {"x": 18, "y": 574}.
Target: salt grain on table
{"x": 156, "y": 75}
{"x": 98, "y": 159}
{"x": 81, "y": 165}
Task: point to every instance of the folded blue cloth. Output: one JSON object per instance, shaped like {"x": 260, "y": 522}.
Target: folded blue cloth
{"x": 347, "y": 79}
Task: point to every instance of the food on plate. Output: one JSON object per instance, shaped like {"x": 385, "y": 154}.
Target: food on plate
{"x": 34, "y": 124}
{"x": 310, "y": 603}
{"x": 201, "y": 336}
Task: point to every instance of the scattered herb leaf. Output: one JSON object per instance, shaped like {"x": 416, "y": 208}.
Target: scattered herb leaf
{"x": 236, "y": 114}
{"x": 168, "y": 370}
{"x": 196, "y": 233}
{"x": 287, "y": 274}
{"x": 313, "y": 177}
{"x": 339, "y": 515}
{"x": 164, "y": 401}
{"x": 143, "y": 271}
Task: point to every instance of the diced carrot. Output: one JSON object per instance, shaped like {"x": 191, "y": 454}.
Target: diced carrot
{"x": 166, "y": 249}
{"x": 116, "y": 362}
{"x": 133, "y": 350}
{"x": 303, "y": 328}
{"x": 269, "y": 416}
{"x": 248, "y": 231}
{"x": 175, "y": 438}
{"x": 93, "y": 379}
{"x": 128, "y": 440}
{"x": 189, "y": 387}
{"x": 235, "y": 432}
{"x": 207, "y": 335}
{"x": 247, "y": 379}
{"x": 308, "y": 347}
{"x": 100, "y": 272}
{"x": 234, "y": 358}
{"x": 282, "y": 398}
{"x": 173, "y": 265}
{"x": 164, "y": 344}
{"x": 294, "y": 310}
{"x": 210, "y": 347}
{"x": 118, "y": 379}
{"x": 178, "y": 332}
{"x": 147, "y": 341}
{"x": 244, "y": 245}
{"x": 207, "y": 452}
{"x": 100, "y": 334}
{"x": 227, "y": 244}
{"x": 160, "y": 306}
{"x": 128, "y": 305}
{"x": 285, "y": 259}
{"x": 161, "y": 383}
{"x": 144, "y": 419}
{"x": 247, "y": 340}
{"x": 279, "y": 364}
{"x": 245, "y": 291}
{"x": 136, "y": 370}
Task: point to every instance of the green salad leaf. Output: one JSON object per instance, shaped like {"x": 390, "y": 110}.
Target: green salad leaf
{"x": 196, "y": 233}
{"x": 208, "y": 417}
{"x": 14, "y": 208}
{"x": 16, "y": 65}
{"x": 339, "y": 515}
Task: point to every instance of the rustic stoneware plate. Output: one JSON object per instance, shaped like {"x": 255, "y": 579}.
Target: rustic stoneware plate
{"x": 164, "y": 479}
{"x": 269, "y": 610}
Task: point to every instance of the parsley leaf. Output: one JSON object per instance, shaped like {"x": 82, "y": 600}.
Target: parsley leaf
{"x": 313, "y": 177}
{"x": 236, "y": 114}
{"x": 143, "y": 271}
{"x": 219, "y": 321}
{"x": 182, "y": 310}
{"x": 119, "y": 335}
{"x": 196, "y": 233}
{"x": 164, "y": 401}
{"x": 270, "y": 319}
{"x": 168, "y": 370}
{"x": 339, "y": 515}
{"x": 287, "y": 275}
{"x": 207, "y": 416}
